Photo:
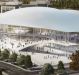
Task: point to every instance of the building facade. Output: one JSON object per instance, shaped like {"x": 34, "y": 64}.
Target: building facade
{"x": 55, "y": 44}
{"x": 9, "y": 5}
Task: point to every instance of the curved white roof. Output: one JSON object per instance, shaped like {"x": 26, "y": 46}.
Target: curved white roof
{"x": 43, "y": 17}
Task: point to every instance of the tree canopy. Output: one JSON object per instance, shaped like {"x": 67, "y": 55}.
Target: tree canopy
{"x": 60, "y": 65}
{"x": 74, "y": 64}
{"x": 13, "y": 57}
{"x": 64, "y": 4}
{"x": 21, "y": 60}
{"x": 25, "y": 1}
{"x": 24, "y": 60}
{"x": 47, "y": 69}
{"x": 28, "y": 62}
{"x": 5, "y": 54}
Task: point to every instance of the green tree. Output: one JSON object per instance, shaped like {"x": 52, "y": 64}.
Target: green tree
{"x": 28, "y": 62}
{"x": 47, "y": 69}
{"x": 61, "y": 69}
{"x": 60, "y": 65}
{"x": 5, "y": 54}
{"x": 73, "y": 4}
{"x": 24, "y": 60}
{"x": 21, "y": 60}
{"x": 74, "y": 64}
{"x": 26, "y": 1}
{"x": 13, "y": 57}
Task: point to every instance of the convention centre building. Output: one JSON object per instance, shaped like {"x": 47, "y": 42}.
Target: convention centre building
{"x": 47, "y": 34}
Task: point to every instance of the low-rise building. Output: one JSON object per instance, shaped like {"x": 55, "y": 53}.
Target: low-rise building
{"x": 9, "y": 5}
{"x": 40, "y": 2}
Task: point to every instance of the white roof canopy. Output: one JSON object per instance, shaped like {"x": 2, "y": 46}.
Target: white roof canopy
{"x": 43, "y": 17}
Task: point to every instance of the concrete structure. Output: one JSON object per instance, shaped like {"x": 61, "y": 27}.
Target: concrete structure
{"x": 47, "y": 33}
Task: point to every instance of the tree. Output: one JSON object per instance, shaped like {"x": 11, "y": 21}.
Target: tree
{"x": 47, "y": 69}
{"x": 73, "y": 4}
{"x": 21, "y": 60}
{"x": 24, "y": 60}
{"x": 61, "y": 70}
{"x": 25, "y": 1}
{"x": 74, "y": 64}
{"x": 28, "y": 62}
{"x": 5, "y": 54}
{"x": 60, "y": 65}
{"x": 13, "y": 57}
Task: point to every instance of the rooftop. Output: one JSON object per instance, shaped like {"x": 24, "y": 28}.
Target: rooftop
{"x": 43, "y": 17}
